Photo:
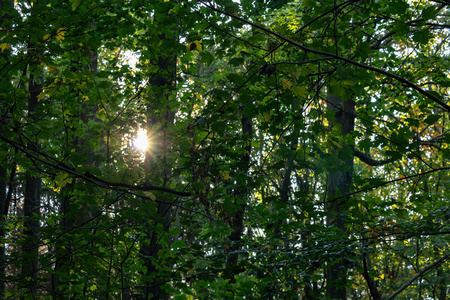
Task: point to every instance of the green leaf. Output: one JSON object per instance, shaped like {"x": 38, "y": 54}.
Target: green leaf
{"x": 398, "y": 6}
{"x": 436, "y": 94}
{"x": 365, "y": 145}
{"x": 247, "y": 5}
{"x": 446, "y": 153}
{"x": 429, "y": 13}
{"x": 422, "y": 36}
{"x": 337, "y": 90}
{"x": 431, "y": 119}
{"x": 444, "y": 83}
{"x": 237, "y": 61}
{"x": 178, "y": 244}
{"x": 400, "y": 27}
{"x": 50, "y": 221}
{"x": 236, "y": 79}
{"x": 228, "y": 206}
{"x": 206, "y": 57}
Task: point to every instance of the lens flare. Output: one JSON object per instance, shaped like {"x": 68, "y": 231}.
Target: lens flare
{"x": 140, "y": 142}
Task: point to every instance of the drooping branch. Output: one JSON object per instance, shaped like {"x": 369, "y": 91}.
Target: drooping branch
{"x": 335, "y": 56}
{"x": 88, "y": 177}
{"x": 379, "y": 185}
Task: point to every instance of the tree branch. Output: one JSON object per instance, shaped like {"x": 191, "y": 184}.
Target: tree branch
{"x": 379, "y": 185}
{"x": 91, "y": 178}
{"x": 370, "y": 282}
{"x": 335, "y": 56}
{"x": 423, "y": 271}
{"x": 365, "y": 157}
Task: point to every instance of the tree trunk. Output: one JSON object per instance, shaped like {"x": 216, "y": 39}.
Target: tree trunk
{"x": 161, "y": 115}
{"x": 4, "y": 214}
{"x": 237, "y": 220}
{"x": 4, "y": 201}
{"x": 31, "y": 206}
{"x": 339, "y": 180}
{"x": 74, "y": 216}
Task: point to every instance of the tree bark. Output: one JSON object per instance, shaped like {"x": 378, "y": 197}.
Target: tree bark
{"x": 4, "y": 214}
{"x": 5, "y": 5}
{"x": 74, "y": 216}
{"x": 237, "y": 220}
{"x": 159, "y": 114}
{"x": 338, "y": 183}
{"x": 31, "y": 206}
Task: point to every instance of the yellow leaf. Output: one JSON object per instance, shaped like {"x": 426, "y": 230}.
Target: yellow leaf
{"x": 75, "y": 4}
{"x": 40, "y": 97}
{"x": 61, "y": 180}
{"x": 60, "y": 35}
{"x": 336, "y": 144}
{"x": 150, "y": 195}
{"x": 286, "y": 84}
{"x": 266, "y": 116}
{"x": 52, "y": 69}
{"x": 101, "y": 114}
{"x": 195, "y": 45}
{"x": 47, "y": 36}
{"x": 5, "y": 46}
{"x": 300, "y": 91}
{"x": 226, "y": 175}
{"x": 348, "y": 82}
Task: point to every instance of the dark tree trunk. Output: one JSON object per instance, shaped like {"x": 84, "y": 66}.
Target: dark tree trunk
{"x": 31, "y": 206}
{"x": 339, "y": 180}
{"x": 4, "y": 214}
{"x": 159, "y": 114}
{"x": 5, "y": 5}
{"x": 237, "y": 220}
{"x": 74, "y": 216}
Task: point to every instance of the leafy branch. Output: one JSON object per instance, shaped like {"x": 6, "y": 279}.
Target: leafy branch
{"x": 336, "y": 56}
{"x": 87, "y": 176}
{"x": 422, "y": 272}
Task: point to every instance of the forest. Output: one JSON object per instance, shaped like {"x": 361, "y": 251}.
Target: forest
{"x": 225, "y": 149}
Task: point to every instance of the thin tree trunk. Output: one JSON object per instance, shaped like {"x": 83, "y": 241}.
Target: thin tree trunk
{"x": 339, "y": 181}
{"x": 4, "y": 203}
{"x": 4, "y": 214}
{"x": 237, "y": 220}
{"x": 442, "y": 280}
{"x": 370, "y": 282}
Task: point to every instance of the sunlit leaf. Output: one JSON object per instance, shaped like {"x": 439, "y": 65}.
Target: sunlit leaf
{"x": 286, "y": 84}
{"x": 5, "y": 46}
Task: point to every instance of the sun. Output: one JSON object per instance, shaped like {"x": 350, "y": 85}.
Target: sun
{"x": 140, "y": 142}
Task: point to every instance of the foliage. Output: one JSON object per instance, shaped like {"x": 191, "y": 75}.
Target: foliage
{"x": 236, "y": 196}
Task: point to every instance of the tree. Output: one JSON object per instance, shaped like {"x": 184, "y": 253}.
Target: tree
{"x": 297, "y": 149}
